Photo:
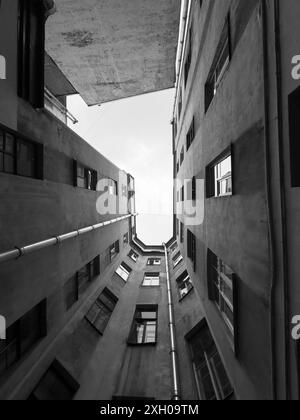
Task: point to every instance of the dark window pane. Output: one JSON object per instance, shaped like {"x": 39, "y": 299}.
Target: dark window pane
{"x": 26, "y": 159}
{"x": 56, "y": 385}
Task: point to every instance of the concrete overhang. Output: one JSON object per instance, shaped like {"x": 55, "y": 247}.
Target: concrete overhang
{"x": 114, "y": 49}
{"x": 55, "y": 80}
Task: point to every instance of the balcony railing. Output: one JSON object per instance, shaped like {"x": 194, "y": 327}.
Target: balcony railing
{"x": 53, "y": 105}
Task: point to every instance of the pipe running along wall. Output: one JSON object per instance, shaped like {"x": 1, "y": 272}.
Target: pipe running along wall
{"x": 173, "y": 351}
{"x": 56, "y": 240}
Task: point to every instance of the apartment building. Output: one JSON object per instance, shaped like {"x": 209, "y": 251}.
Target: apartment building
{"x": 235, "y": 129}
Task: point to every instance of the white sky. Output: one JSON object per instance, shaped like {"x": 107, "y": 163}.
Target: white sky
{"x": 136, "y": 135}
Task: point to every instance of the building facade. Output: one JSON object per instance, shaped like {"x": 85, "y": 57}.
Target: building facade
{"x": 93, "y": 313}
{"x": 234, "y": 149}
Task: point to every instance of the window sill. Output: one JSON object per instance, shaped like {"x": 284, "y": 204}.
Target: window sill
{"x": 150, "y": 287}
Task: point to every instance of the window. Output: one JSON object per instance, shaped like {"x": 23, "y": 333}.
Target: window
{"x": 112, "y": 187}
{"x": 19, "y": 156}
{"x": 31, "y": 50}
{"x": 219, "y": 177}
{"x": 184, "y": 284}
{"x": 22, "y": 336}
{"x": 294, "y": 123}
{"x": 182, "y": 193}
{"x": 177, "y": 167}
{"x": 220, "y": 64}
{"x": 126, "y": 239}
{"x": 133, "y": 255}
{"x": 101, "y": 311}
{"x": 191, "y": 247}
{"x": 124, "y": 271}
{"x": 87, "y": 274}
{"x": 181, "y": 233}
{"x": 221, "y": 289}
{"x": 188, "y": 60}
{"x": 174, "y": 246}
{"x": 174, "y": 129}
{"x": 151, "y": 279}
{"x": 85, "y": 177}
{"x": 177, "y": 259}
{"x": 182, "y": 156}
{"x": 192, "y": 189}
{"x": 144, "y": 327}
{"x": 154, "y": 261}
{"x": 190, "y": 135}
{"x": 56, "y": 385}
{"x": 78, "y": 284}
{"x": 114, "y": 250}
{"x": 180, "y": 103}
{"x": 211, "y": 378}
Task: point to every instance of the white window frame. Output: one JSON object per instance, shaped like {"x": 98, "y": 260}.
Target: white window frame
{"x": 151, "y": 280}
{"x": 123, "y": 272}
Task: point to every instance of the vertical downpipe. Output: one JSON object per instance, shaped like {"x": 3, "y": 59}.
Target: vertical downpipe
{"x": 173, "y": 351}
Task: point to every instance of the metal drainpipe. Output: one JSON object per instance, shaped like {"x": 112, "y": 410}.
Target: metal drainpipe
{"x": 173, "y": 351}
{"x": 17, "y": 252}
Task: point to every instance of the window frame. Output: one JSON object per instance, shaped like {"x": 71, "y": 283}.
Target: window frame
{"x": 139, "y": 321}
{"x": 125, "y": 269}
{"x": 212, "y": 181}
{"x": 215, "y": 78}
{"x": 101, "y": 304}
{"x": 152, "y": 277}
{"x": 184, "y": 278}
{"x": 14, "y": 336}
{"x": 219, "y": 298}
{"x": 17, "y": 140}
{"x": 203, "y": 328}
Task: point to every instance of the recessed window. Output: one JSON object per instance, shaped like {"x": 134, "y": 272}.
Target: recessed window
{"x": 87, "y": 274}
{"x": 192, "y": 189}
{"x": 154, "y": 261}
{"x": 31, "y": 51}
{"x": 177, "y": 259}
{"x": 219, "y": 67}
{"x": 84, "y": 177}
{"x": 22, "y": 336}
{"x": 20, "y": 157}
{"x": 210, "y": 375}
{"x": 188, "y": 60}
{"x": 144, "y": 327}
{"x": 221, "y": 282}
{"x": 182, "y": 233}
{"x": 56, "y": 385}
{"x": 190, "y": 135}
{"x": 184, "y": 284}
{"x": 79, "y": 283}
{"x": 101, "y": 311}
{"x": 219, "y": 177}
{"x": 182, "y": 156}
{"x": 114, "y": 250}
{"x": 151, "y": 279}
{"x": 174, "y": 246}
{"x": 126, "y": 239}
{"x": 180, "y": 103}
{"x": 294, "y": 123}
{"x": 112, "y": 187}
{"x": 191, "y": 248}
{"x": 133, "y": 255}
{"x": 124, "y": 271}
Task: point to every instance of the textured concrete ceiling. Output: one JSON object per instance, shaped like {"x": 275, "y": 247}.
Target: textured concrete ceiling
{"x": 113, "y": 49}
